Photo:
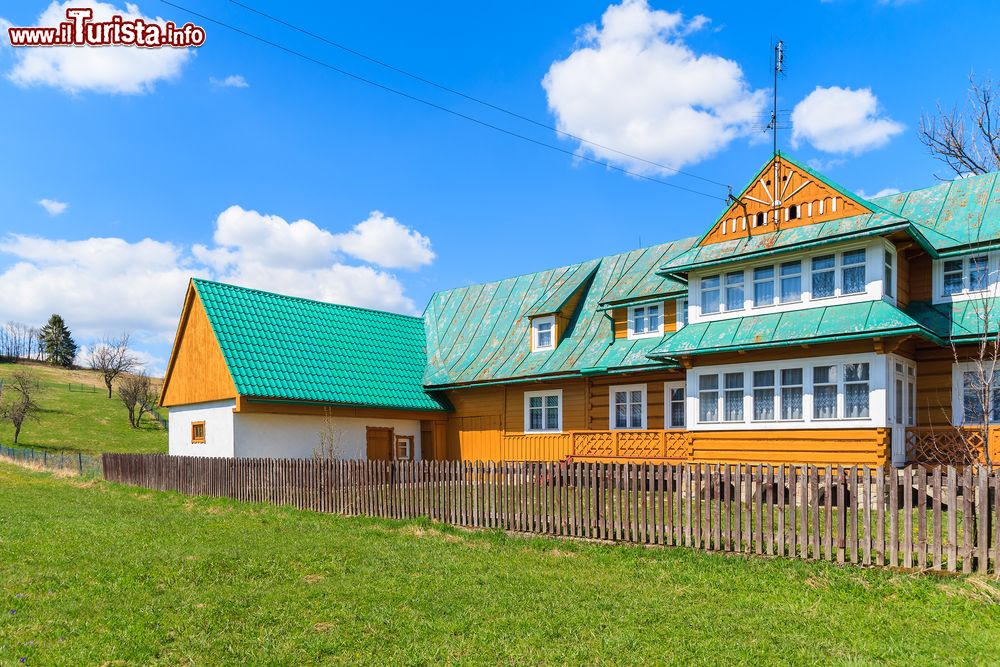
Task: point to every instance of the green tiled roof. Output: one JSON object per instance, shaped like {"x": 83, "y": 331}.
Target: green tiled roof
{"x": 824, "y": 324}
{"x": 292, "y": 349}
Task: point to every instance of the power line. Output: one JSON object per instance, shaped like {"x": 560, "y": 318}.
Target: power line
{"x": 433, "y": 105}
{"x": 471, "y": 98}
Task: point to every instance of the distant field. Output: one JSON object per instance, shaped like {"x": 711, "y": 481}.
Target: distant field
{"x": 77, "y": 415}
{"x": 95, "y": 573}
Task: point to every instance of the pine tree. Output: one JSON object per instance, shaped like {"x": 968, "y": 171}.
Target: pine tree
{"x": 57, "y": 342}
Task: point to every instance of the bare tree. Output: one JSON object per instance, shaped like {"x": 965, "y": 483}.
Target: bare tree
{"x": 18, "y": 403}
{"x": 112, "y": 357}
{"x": 138, "y": 395}
{"x": 331, "y": 437}
{"x": 967, "y": 140}
{"x": 967, "y": 442}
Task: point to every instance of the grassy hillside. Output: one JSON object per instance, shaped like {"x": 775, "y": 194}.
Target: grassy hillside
{"x": 97, "y": 573}
{"x": 77, "y": 415}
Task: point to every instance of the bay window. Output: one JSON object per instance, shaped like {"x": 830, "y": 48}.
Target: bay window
{"x": 708, "y": 398}
{"x": 733, "y": 398}
{"x": 825, "y": 392}
{"x": 856, "y": 391}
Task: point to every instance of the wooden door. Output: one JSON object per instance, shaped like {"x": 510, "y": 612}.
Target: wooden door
{"x": 380, "y": 443}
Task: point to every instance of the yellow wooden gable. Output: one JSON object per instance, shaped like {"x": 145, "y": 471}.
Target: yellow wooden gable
{"x": 781, "y": 196}
{"x": 197, "y": 371}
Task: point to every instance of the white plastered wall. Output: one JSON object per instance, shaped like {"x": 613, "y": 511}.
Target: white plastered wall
{"x": 218, "y": 418}
{"x": 298, "y": 436}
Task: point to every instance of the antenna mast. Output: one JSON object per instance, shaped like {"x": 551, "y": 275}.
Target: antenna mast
{"x": 779, "y": 67}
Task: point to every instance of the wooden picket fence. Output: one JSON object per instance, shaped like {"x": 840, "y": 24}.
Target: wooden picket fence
{"x": 943, "y": 518}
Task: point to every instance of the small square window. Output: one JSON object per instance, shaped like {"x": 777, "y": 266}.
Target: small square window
{"x": 645, "y": 320}
{"x": 197, "y": 432}
{"x": 543, "y": 333}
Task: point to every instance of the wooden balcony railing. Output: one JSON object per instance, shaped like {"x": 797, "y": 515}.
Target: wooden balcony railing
{"x": 673, "y": 445}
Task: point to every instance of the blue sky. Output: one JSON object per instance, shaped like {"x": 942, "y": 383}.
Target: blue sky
{"x": 167, "y": 172}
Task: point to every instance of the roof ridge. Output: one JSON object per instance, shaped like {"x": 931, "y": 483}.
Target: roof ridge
{"x": 291, "y": 297}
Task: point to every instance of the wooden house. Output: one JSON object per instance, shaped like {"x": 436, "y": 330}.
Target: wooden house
{"x": 807, "y": 324}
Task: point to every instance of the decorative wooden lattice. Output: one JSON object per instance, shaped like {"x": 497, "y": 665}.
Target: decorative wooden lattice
{"x": 632, "y": 444}
{"x": 594, "y": 443}
{"x": 639, "y": 444}
{"x": 944, "y": 446}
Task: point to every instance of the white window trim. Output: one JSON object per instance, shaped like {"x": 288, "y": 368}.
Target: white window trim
{"x": 957, "y": 386}
{"x": 992, "y": 278}
{"x": 611, "y": 406}
{"x": 528, "y": 395}
{"x": 874, "y": 283}
{"x": 877, "y": 394}
{"x": 631, "y": 321}
{"x": 534, "y": 333}
{"x": 907, "y": 378}
{"x": 667, "y": 388}
{"x": 679, "y": 320}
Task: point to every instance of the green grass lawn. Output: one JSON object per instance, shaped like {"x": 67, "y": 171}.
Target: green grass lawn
{"x": 95, "y": 573}
{"x": 77, "y": 415}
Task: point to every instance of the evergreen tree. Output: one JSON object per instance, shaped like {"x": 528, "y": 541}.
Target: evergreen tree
{"x": 57, "y": 342}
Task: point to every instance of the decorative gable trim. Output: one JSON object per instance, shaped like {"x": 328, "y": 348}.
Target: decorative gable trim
{"x": 783, "y": 195}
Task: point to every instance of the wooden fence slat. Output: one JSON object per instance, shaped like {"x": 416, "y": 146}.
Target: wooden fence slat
{"x": 982, "y": 521}
{"x": 968, "y": 519}
{"x": 921, "y": 509}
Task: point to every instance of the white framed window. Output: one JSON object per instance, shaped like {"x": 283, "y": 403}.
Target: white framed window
{"x": 645, "y": 321}
{"x": 674, "y": 405}
{"x": 763, "y": 286}
{"x": 628, "y": 407}
{"x": 968, "y": 277}
{"x": 851, "y": 274}
{"x": 682, "y": 313}
{"x": 543, "y": 333}
{"x": 822, "y": 392}
{"x": 543, "y": 411}
{"x": 734, "y": 291}
{"x": 889, "y": 274}
{"x": 970, "y": 384}
{"x": 903, "y": 382}
{"x": 710, "y": 291}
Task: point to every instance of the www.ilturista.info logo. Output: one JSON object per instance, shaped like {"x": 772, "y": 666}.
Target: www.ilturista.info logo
{"x": 80, "y": 30}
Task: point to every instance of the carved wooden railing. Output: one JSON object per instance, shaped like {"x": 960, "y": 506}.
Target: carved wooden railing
{"x": 674, "y": 445}
{"x": 947, "y": 445}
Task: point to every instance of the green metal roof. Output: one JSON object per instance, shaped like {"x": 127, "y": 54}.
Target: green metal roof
{"x": 836, "y": 323}
{"x": 959, "y": 321}
{"x": 564, "y": 285}
{"x": 480, "y": 333}
{"x": 287, "y": 348}
{"x": 639, "y": 281}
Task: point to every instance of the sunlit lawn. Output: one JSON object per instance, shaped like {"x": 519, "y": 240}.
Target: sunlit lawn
{"x": 95, "y": 573}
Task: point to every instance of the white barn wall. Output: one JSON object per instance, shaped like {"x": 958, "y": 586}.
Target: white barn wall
{"x": 298, "y": 436}
{"x": 218, "y": 418}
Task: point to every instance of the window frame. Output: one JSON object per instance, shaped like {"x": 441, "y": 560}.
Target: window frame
{"x": 628, "y": 388}
{"x": 958, "y": 393}
{"x": 992, "y": 269}
{"x": 631, "y": 315}
{"x": 681, "y": 316}
{"x": 196, "y": 439}
{"x": 410, "y": 443}
{"x": 668, "y": 401}
{"x": 542, "y": 393}
{"x": 878, "y": 399}
{"x": 535, "y": 330}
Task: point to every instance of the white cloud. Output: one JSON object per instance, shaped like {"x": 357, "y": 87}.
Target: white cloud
{"x": 633, "y": 84}
{"x": 231, "y": 81}
{"x": 103, "y": 286}
{"x": 105, "y": 69}
{"x": 884, "y": 192}
{"x": 384, "y": 241}
{"x": 53, "y": 206}
{"x": 842, "y": 120}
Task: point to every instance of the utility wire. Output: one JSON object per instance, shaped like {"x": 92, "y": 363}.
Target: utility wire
{"x": 471, "y": 98}
{"x": 437, "y": 106}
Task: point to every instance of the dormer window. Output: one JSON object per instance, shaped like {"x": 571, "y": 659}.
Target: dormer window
{"x": 645, "y": 321}
{"x": 543, "y": 333}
